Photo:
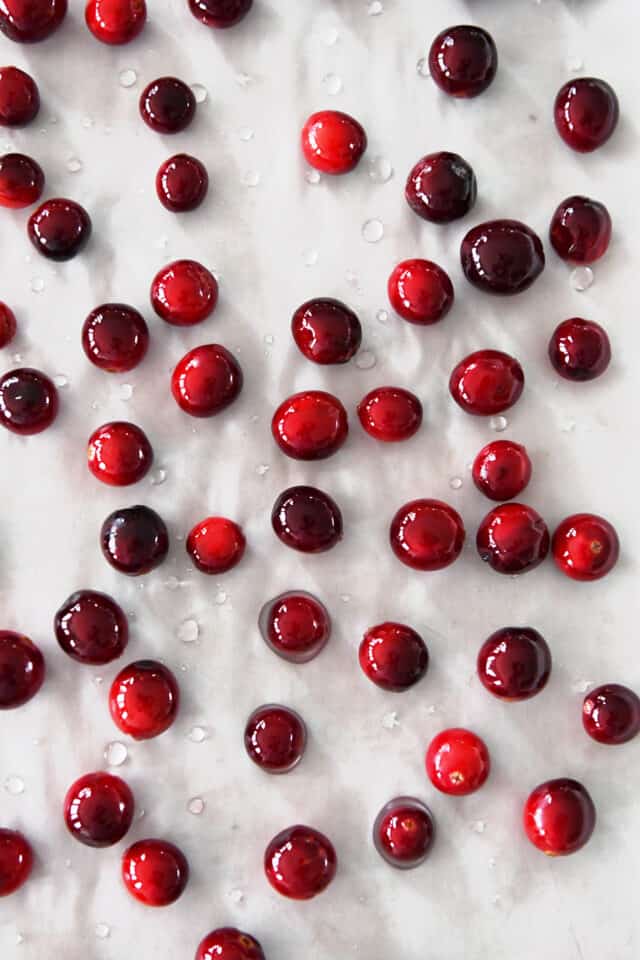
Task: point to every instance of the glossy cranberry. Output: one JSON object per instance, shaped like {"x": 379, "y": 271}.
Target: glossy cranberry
{"x": 463, "y": 61}
{"x": 98, "y": 809}
{"x": 611, "y": 714}
{"x": 29, "y": 21}
{"x": 144, "y": 699}
{"x": 403, "y": 832}
{"x": 155, "y": 872}
{"x": 333, "y": 142}
{"x": 580, "y": 230}
{"x": 390, "y": 414}
{"x": 115, "y": 21}
{"x": 8, "y": 326}
{"x": 91, "y": 627}
{"x": 22, "y": 669}
{"x": 220, "y": 13}
{"x": 215, "y": 545}
{"x": 300, "y": 862}
{"x": 59, "y": 229}
{"x": 486, "y": 382}
{"x": 182, "y": 183}
{"x": 585, "y": 547}
{"x": 206, "y": 380}
{"x": 512, "y": 538}
{"x": 119, "y": 453}
{"x": 167, "y": 105}
{"x": 441, "y": 187}
{"x": 310, "y": 426}
{"x": 16, "y": 861}
{"x": 19, "y": 97}
{"x": 427, "y": 534}
{"x": 21, "y": 181}
{"x": 579, "y": 349}
{"x": 28, "y": 401}
{"x": 457, "y": 762}
{"x": 586, "y": 113}
{"x": 184, "y": 293}
{"x": 326, "y": 331}
{"x": 307, "y": 519}
{"x": 115, "y": 337}
{"x": 502, "y": 256}
{"x": 228, "y": 943}
{"x": 420, "y": 291}
{"x": 134, "y": 540}
{"x": 295, "y": 625}
{"x": 502, "y": 470}
{"x": 514, "y": 663}
{"x": 559, "y": 817}
{"x": 393, "y": 656}
{"x": 275, "y": 738}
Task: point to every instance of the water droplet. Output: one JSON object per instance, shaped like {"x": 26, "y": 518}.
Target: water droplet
{"x": 582, "y": 278}
{"x": 142, "y": 813}
{"x": 125, "y": 391}
{"x": 43, "y": 130}
{"x": 115, "y": 753}
{"x": 245, "y": 134}
{"x": 98, "y": 681}
{"x": 184, "y": 667}
{"x": 61, "y": 380}
{"x": 128, "y": 78}
{"x": 455, "y": 483}
{"x": 172, "y": 583}
{"x": 17, "y": 358}
{"x": 332, "y": 83}
{"x": 310, "y": 257}
{"x": 581, "y": 686}
{"x": 74, "y": 165}
{"x": 188, "y": 631}
{"x": 498, "y": 423}
{"x": 574, "y": 63}
{"x": 331, "y": 37}
{"x": 372, "y": 230}
{"x": 380, "y": 169}
{"x": 53, "y": 120}
{"x": 251, "y": 178}
{"x": 243, "y": 79}
{"x": 390, "y": 720}
{"x": 269, "y": 338}
{"x": 382, "y": 316}
{"x": 479, "y": 826}
{"x": 14, "y": 785}
{"x": 220, "y": 597}
{"x": 568, "y": 426}
{"x": 37, "y": 284}
{"x": 87, "y": 122}
{"x": 345, "y": 597}
{"x": 19, "y": 939}
{"x": 422, "y": 67}
{"x": 431, "y": 709}
{"x": 196, "y": 806}
{"x": 492, "y": 862}
{"x": 67, "y": 864}
{"x": 497, "y": 899}
{"x": 163, "y": 242}
{"x": 313, "y": 177}
{"x": 197, "y": 734}
{"x": 365, "y": 360}
{"x": 102, "y": 931}
{"x": 158, "y": 476}
{"x": 263, "y": 469}
{"x": 236, "y": 895}
{"x": 375, "y": 8}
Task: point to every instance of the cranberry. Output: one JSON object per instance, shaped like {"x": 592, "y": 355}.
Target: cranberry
{"x": 300, "y": 862}
{"x": 502, "y": 470}
{"x": 16, "y": 861}
{"x": 8, "y": 326}
{"x": 21, "y": 669}
{"x": 403, "y": 832}
{"x": 144, "y": 699}
{"x": 28, "y": 401}
{"x": 119, "y": 453}
{"x": 19, "y": 97}
{"x": 220, "y": 13}
{"x": 579, "y": 349}
{"x": 463, "y": 61}
{"x": 457, "y": 762}
{"x": 134, "y": 540}
{"x": 502, "y": 256}
{"x": 441, "y": 187}
{"x": 21, "y": 181}
{"x": 427, "y": 534}
{"x": 167, "y": 105}
{"x": 59, "y": 229}
{"x": 390, "y": 414}
{"x": 420, "y": 291}
{"x": 512, "y": 538}
{"x": 310, "y": 426}
{"x": 295, "y": 625}
{"x": 393, "y": 656}
{"x": 559, "y": 817}
{"x": 91, "y": 627}
{"x": 275, "y": 738}
{"x": 182, "y": 183}
{"x": 580, "y": 230}
{"x": 333, "y": 142}
{"x": 307, "y": 519}
{"x": 227, "y": 943}
{"x": 585, "y": 547}
{"x": 486, "y": 382}
{"x": 115, "y": 21}
{"x": 115, "y": 337}
{"x": 98, "y": 809}
{"x": 29, "y": 21}
{"x": 586, "y": 113}
{"x": 611, "y": 714}
{"x": 216, "y": 545}
{"x": 326, "y": 331}
{"x": 514, "y": 663}
{"x": 206, "y": 380}
{"x": 155, "y": 872}
{"x": 184, "y": 293}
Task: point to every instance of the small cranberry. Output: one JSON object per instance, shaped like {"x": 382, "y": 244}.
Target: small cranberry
{"x": 427, "y": 534}
{"x": 307, "y": 519}
{"x": 167, "y": 105}
{"x": 19, "y": 97}
{"x": 300, "y": 862}
{"x": 502, "y": 256}
{"x": 221, "y": 14}
{"x": 216, "y": 545}
{"x": 390, "y": 414}
{"x": 310, "y": 426}
{"x": 295, "y": 625}
{"x": 502, "y": 470}
{"x": 98, "y": 809}
{"x": 16, "y": 861}
{"x": 441, "y": 187}
{"x": 512, "y": 538}
{"x": 22, "y": 669}
{"x": 514, "y": 663}
{"x": 586, "y": 113}
{"x": 393, "y": 656}
{"x": 463, "y": 61}
{"x": 115, "y": 337}
{"x": 29, "y": 21}
{"x": 182, "y": 183}
{"x": 457, "y": 762}
{"x": 420, "y": 291}
{"x": 228, "y": 943}
{"x": 134, "y": 540}
{"x": 21, "y": 181}
{"x": 119, "y": 453}
{"x": 206, "y": 380}
{"x": 115, "y": 21}
{"x": 8, "y": 326}
{"x": 275, "y": 738}
{"x": 611, "y": 714}
{"x": 580, "y": 230}
{"x": 184, "y": 293}
{"x": 579, "y": 349}
{"x": 486, "y": 382}
{"x": 155, "y": 872}
{"x": 559, "y": 817}
{"x": 28, "y": 401}
{"x": 59, "y": 229}
{"x": 403, "y": 832}
{"x": 326, "y": 331}
{"x": 91, "y": 627}
{"x": 585, "y": 546}
{"x": 333, "y": 142}
{"x": 144, "y": 699}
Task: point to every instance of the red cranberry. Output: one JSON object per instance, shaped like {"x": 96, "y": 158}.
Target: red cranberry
{"x": 585, "y": 547}
{"x": 310, "y": 426}
{"x": 16, "y": 861}
{"x": 502, "y": 470}
{"x": 420, "y": 291}
{"x": 486, "y": 382}
{"x": 390, "y": 414}
{"x": 227, "y": 943}
{"x": 326, "y": 331}
{"x": 167, "y": 105}
{"x": 206, "y": 380}
{"x": 457, "y": 762}
{"x": 611, "y": 714}
{"x": 91, "y": 627}
{"x": 512, "y": 538}
{"x": 463, "y": 61}
{"x": 8, "y": 326}
{"x": 115, "y": 337}
{"x": 441, "y": 187}
{"x": 28, "y": 401}
{"x": 155, "y": 872}
{"x": 182, "y": 183}
{"x": 275, "y": 738}
{"x": 403, "y": 832}
{"x": 502, "y": 256}
{"x": 216, "y": 545}
{"x": 333, "y": 142}
{"x": 586, "y": 113}
{"x": 393, "y": 656}
{"x": 144, "y": 699}
{"x": 300, "y": 862}
{"x": 134, "y": 540}
{"x": 22, "y": 669}
{"x": 427, "y": 534}
{"x": 19, "y": 97}
{"x": 559, "y": 817}
{"x": 59, "y": 229}
{"x": 579, "y": 349}
{"x": 220, "y": 13}
{"x": 295, "y": 625}
{"x": 184, "y": 293}
{"x": 307, "y": 519}
{"x": 115, "y": 21}
{"x": 98, "y": 809}
{"x": 29, "y": 21}
{"x": 21, "y": 181}
{"x": 580, "y": 230}
{"x": 119, "y": 453}
{"x": 514, "y": 663}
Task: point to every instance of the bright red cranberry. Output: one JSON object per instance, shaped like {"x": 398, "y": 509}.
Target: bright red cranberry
{"x": 427, "y": 534}
{"x": 586, "y": 113}
{"x": 206, "y": 380}
{"x": 579, "y": 349}
{"x": 390, "y": 414}
{"x": 134, "y": 540}
{"x": 8, "y": 326}
{"x": 215, "y": 545}
{"x": 512, "y": 538}
{"x": 220, "y": 13}
{"x": 91, "y": 627}
{"x": 144, "y": 699}
{"x": 295, "y": 625}
{"x": 441, "y": 187}
{"x": 420, "y": 291}
{"x": 403, "y": 832}
{"x": 115, "y": 337}
{"x": 310, "y": 426}
{"x": 514, "y": 663}
{"x": 393, "y": 656}
{"x": 486, "y": 382}
{"x": 333, "y": 142}
{"x": 585, "y": 547}
{"x": 300, "y": 862}
{"x": 502, "y": 470}
{"x": 559, "y": 817}
{"x": 275, "y": 738}
{"x": 184, "y": 293}
{"x": 21, "y": 181}
{"x": 155, "y": 872}
{"x": 167, "y": 105}
{"x": 16, "y": 861}
{"x": 115, "y": 21}
{"x": 502, "y": 256}
{"x": 307, "y": 519}
{"x": 611, "y": 714}
{"x": 28, "y": 401}
{"x": 59, "y": 229}
{"x": 119, "y": 453}
{"x": 326, "y": 331}
{"x": 463, "y": 61}
{"x": 457, "y": 761}
{"x": 29, "y": 21}
{"x": 580, "y": 230}
{"x": 98, "y": 809}
{"x": 22, "y": 669}
{"x": 182, "y": 183}
{"x": 228, "y": 943}
{"x": 19, "y": 97}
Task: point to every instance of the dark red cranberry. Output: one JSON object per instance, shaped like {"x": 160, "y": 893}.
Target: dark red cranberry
{"x": 119, "y": 453}
{"x": 333, "y": 142}
{"x": 403, "y": 832}
{"x": 29, "y": 21}
{"x": 228, "y": 943}
{"x": 16, "y": 861}
{"x": 115, "y": 337}
{"x": 19, "y": 97}
{"x": 220, "y": 13}
{"x": 155, "y": 872}
{"x": 486, "y": 382}
{"x": 427, "y": 534}
{"x": 514, "y": 663}
{"x": 390, "y": 414}
{"x": 98, "y": 809}
{"x": 144, "y": 699}
{"x": 59, "y": 229}
{"x": 512, "y": 538}
{"x": 206, "y": 380}
{"x": 310, "y": 426}
{"x": 579, "y": 349}
{"x": 585, "y": 546}
{"x": 91, "y": 627}
{"x": 275, "y": 738}
{"x": 21, "y": 181}
{"x": 457, "y": 761}
{"x": 115, "y": 21}
{"x": 502, "y": 470}
{"x": 215, "y": 545}
{"x": 441, "y": 187}
{"x": 134, "y": 540}
{"x": 167, "y": 105}
{"x": 463, "y": 61}
{"x": 295, "y": 625}
{"x": 502, "y": 256}
{"x": 586, "y": 113}
{"x": 28, "y": 401}
{"x": 8, "y": 326}
{"x": 307, "y": 519}
{"x": 326, "y": 331}
{"x": 559, "y": 817}
{"x": 182, "y": 183}
{"x": 393, "y": 656}
{"x": 184, "y": 293}
{"x": 300, "y": 862}
{"x": 611, "y": 714}
{"x": 22, "y": 669}
{"x": 420, "y": 291}
{"x": 580, "y": 230}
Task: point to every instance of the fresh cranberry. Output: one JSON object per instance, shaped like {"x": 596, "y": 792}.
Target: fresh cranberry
{"x": 420, "y": 291}
{"x": 115, "y": 21}
{"x": 502, "y": 256}
{"x": 16, "y": 861}
{"x": 307, "y": 519}
{"x": 28, "y": 401}
{"x": 91, "y": 627}
{"x": 295, "y": 625}
{"x": 326, "y": 331}
{"x": 144, "y": 699}
{"x": 585, "y": 547}
{"x": 29, "y": 21}
{"x": 403, "y": 832}
{"x": 8, "y": 326}
{"x": 333, "y": 142}
{"x": 59, "y": 229}
{"x": 21, "y": 181}
{"x": 457, "y": 762}
{"x": 580, "y": 230}
{"x": 184, "y": 293}
{"x": 486, "y": 382}
{"x": 611, "y": 714}
{"x": 514, "y": 663}
{"x": 134, "y": 540}
{"x": 206, "y": 380}
{"x": 119, "y": 453}
{"x": 220, "y": 13}
{"x": 463, "y": 61}
{"x": 19, "y": 97}
{"x": 390, "y": 414}
{"x": 502, "y": 470}
{"x": 155, "y": 872}
{"x": 441, "y": 187}
{"x": 215, "y": 545}
{"x": 579, "y": 349}
{"x": 98, "y": 809}
{"x": 393, "y": 656}
{"x": 22, "y": 669}
{"x": 115, "y": 337}
{"x": 586, "y": 113}
{"x": 167, "y": 105}
{"x": 512, "y": 538}
{"x": 182, "y": 183}
{"x": 559, "y": 817}
{"x": 275, "y": 738}
{"x": 427, "y": 534}
{"x": 310, "y": 426}
{"x": 300, "y": 862}
{"x": 228, "y": 943}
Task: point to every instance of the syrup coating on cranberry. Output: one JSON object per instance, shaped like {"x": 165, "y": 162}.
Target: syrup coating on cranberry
{"x": 206, "y": 380}
{"x": 502, "y": 470}
{"x": 463, "y": 61}
{"x": 59, "y": 229}
{"x": 333, "y": 142}
{"x": 295, "y": 625}
{"x": 300, "y": 862}
{"x": 19, "y": 97}
{"x": 585, "y": 546}
{"x": 144, "y": 699}
{"x": 182, "y": 183}
{"x": 390, "y": 414}
{"x": 457, "y": 762}
{"x": 393, "y": 656}
{"x": 115, "y": 337}
{"x": 502, "y": 256}
{"x": 221, "y": 14}
{"x": 420, "y": 291}
{"x": 275, "y": 738}
{"x": 28, "y": 401}
{"x": 216, "y": 545}
{"x": 115, "y": 21}
{"x": 512, "y": 538}
{"x": 514, "y": 663}
{"x": 8, "y": 326}
{"x": 22, "y": 669}
{"x": 307, "y": 519}
{"x": 312, "y": 425}
{"x": 119, "y": 453}
{"x": 98, "y": 809}
{"x": 21, "y": 181}
{"x": 403, "y": 832}
{"x": 579, "y": 349}
{"x": 486, "y": 382}
{"x": 580, "y": 230}
{"x": 559, "y": 817}
{"x": 91, "y": 627}
{"x": 441, "y": 187}
{"x": 611, "y": 714}
{"x": 427, "y": 534}
{"x": 586, "y": 113}
{"x": 134, "y": 540}
{"x": 155, "y": 872}
{"x": 184, "y": 293}
{"x": 167, "y": 105}
{"x": 326, "y": 331}
{"x": 16, "y": 861}
{"x": 29, "y": 21}
{"x": 228, "y": 943}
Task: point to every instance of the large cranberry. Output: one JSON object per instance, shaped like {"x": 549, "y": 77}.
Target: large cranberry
{"x": 184, "y": 292}
{"x": 579, "y": 349}
{"x": 228, "y": 943}
{"x": 8, "y": 326}
{"x": 216, "y": 545}
{"x": 59, "y": 229}
{"x": 144, "y": 699}
{"x": 115, "y": 337}
{"x": 512, "y": 538}
{"x": 403, "y": 832}
{"x": 420, "y": 291}
{"x": 463, "y": 61}
{"x": 182, "y": 183}
{"x": 559, "y": 817}
{"x": 333, "y": 142}
{"x": 21, "y": 181}
{"x": 167, "y": 105}
{"x": 441, "y": 187}
{"x": 16, "y": 861}
{"x": 28, "y": 401}
{"x": 155, "y": 872}
{"x": 457, "y": 761}
{"x": 326, "y": 331}
{"x": 611, "y": 714}
{"x": 300, "y": 862}
{"x": 134, "y": 540}
{"x": 295, "y": 625}
{"x": 586, "y": 113}
{"x": 119, "y": 453}
{"x": 206, "y": 380}
{"x": 427, "y": 534}
{"x": 310, "y": 426}
{"x": 514, "y": 663}
{"x": 22, "y": 669}
{"x": 220, "y": 13}
{"x": 275, "y": 738}
{"x": 19, "y": 97}
{"x": 307, "y": 519}
{"x": 91, "y": 627}
{"x": 390, "y": 414}
{"x": 502, "y": 256}
{"x": 585, "y": 546}
{"x": 98, "y": 809}
{"x": 393, "y": 656}
{"x": 502, "y": 469}
{"x": 29, "y": 21}
{"x": 115, "y": 21}
{"x": 486, "y": 382}
{"x": 580, "y": 230}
